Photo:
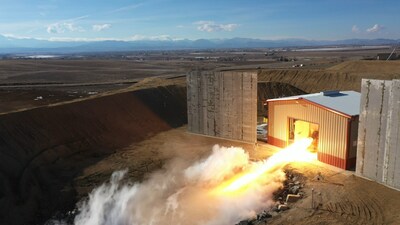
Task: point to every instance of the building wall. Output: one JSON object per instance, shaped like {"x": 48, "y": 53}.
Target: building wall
{"x": 352, "y": 155}
{"x": 378, "y": 155}
{"x": 333, "y": 128}
{"x": 223, "y": 104}
{"x": 353, "y": 137}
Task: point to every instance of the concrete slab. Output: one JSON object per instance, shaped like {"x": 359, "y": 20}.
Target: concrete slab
{"x": 372, "y": 128}
{"x": 378, "y": 153}
{"x": 391, "y": 166}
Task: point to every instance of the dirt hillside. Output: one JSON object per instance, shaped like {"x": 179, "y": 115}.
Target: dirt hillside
{"x": 43, "y": 149}
{"x": 368, "y": 66}
{"x": 344, "y": 76}
{"x": 268, "y": 90}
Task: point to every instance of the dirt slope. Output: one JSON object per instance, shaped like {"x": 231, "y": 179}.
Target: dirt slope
{"x": 342, "y": 198}
{"x": 82, "y": 71}
{"x": 370, "y": 66}
{"x": 345, "y": 76}
{"x": 268, "y": 90}
{"x": 43, "y": 149}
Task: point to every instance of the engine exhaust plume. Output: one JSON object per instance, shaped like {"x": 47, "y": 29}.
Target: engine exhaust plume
{"x": 295, "y": 152}
{"x": 222, "y": 189}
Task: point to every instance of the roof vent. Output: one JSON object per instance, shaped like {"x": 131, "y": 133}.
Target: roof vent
{"x": 330, "y": 93}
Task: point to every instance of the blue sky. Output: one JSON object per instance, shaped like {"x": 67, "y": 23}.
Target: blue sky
{"x": 191, "y": 19}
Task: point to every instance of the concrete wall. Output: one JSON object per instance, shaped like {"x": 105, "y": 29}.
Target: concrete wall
{"x": 223, "y": 104}
{"x": 378, "y": 154}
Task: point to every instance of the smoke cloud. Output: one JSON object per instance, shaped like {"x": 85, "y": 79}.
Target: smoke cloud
{"x": 182, "y": 194}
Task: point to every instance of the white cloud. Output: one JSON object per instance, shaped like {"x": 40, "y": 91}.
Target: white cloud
{"x": 163, "y": 37}
{"x": 62, "y": 27}
{"x": 126, "y": 8}
{"x": 72, "y": 39}
{"x": 13, "y": 36}
{"x": 78, "y": 18}
{"x": 375, "y": 28}
{"x": 66, "y": 25}
{"x": 211, "y": 26}
{"x": 355, "y": 29}
{"x": 100, "y": 27}
{"x": 84, "y": 39}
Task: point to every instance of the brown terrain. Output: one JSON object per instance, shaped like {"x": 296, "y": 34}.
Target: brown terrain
{"x": 343, "y": 76}
{"x": 96, "y": 117}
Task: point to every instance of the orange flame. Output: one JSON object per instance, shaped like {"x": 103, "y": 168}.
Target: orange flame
{"x": 297, "y": 152}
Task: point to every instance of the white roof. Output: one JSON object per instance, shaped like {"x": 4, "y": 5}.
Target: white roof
{"x": 347, "y": 102}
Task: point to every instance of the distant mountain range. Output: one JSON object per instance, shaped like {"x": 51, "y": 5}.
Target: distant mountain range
{"x": 30, "y": 45}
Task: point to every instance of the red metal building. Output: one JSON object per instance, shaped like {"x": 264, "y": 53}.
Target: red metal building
{"x": 330, "y": 118}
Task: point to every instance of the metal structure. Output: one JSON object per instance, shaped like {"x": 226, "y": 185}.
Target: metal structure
{"x": 378, "y": 155}
{"x": 223, "y": 104}
{"x": 330, "y": 118}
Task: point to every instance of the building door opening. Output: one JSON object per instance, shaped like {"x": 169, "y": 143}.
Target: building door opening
{"x": 299, "y": 129}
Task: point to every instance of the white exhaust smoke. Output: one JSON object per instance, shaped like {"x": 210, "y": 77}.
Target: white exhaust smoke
{"x": 183, "y": 194}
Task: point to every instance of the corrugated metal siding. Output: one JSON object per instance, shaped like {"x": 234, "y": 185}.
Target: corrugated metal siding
{"x": 332, "y": 127}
